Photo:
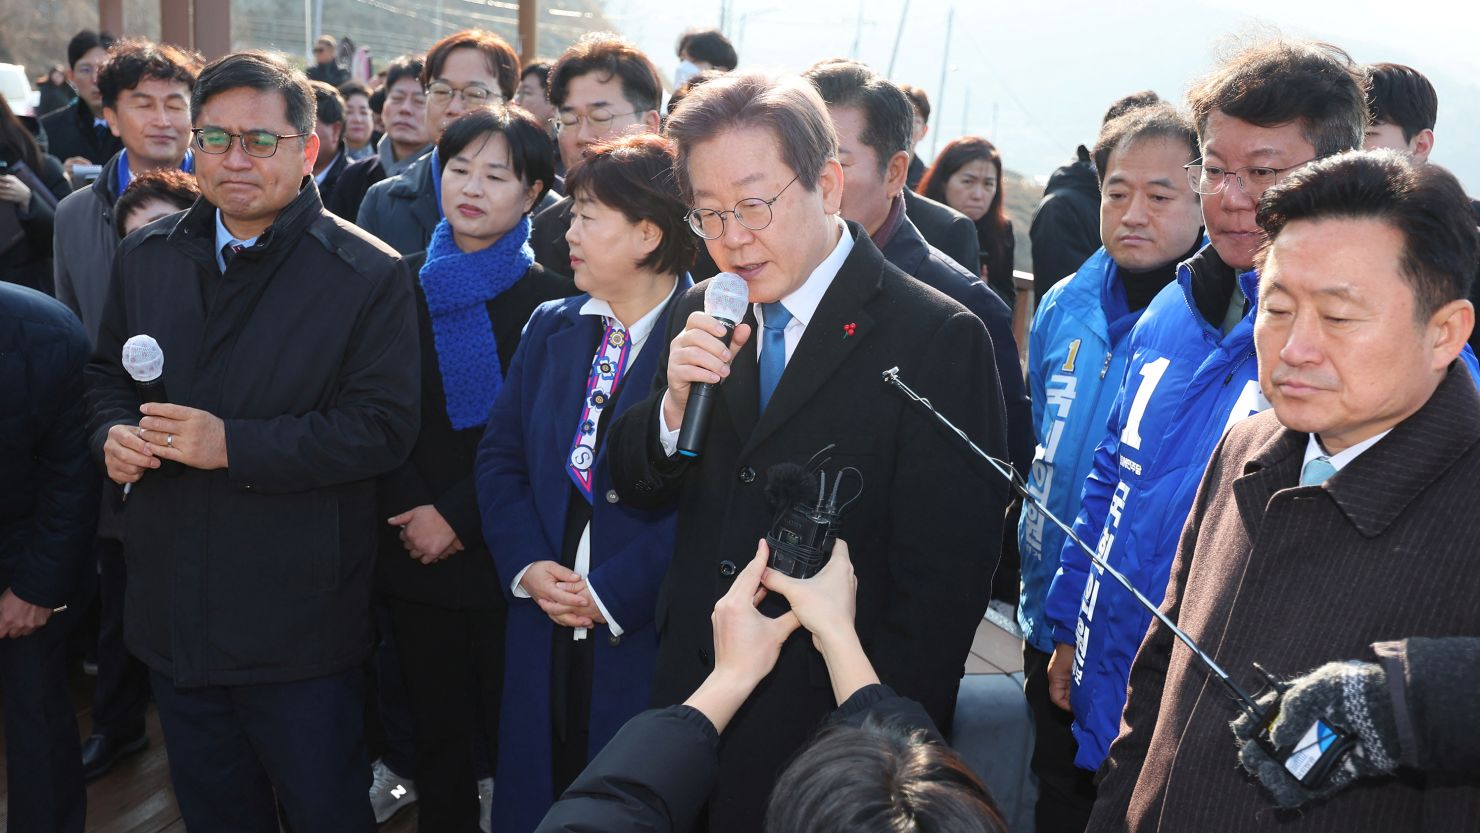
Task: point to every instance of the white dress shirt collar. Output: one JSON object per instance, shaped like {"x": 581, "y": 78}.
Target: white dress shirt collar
{"x": 803, "y": 301}
{"x": 637, "y": 334}
{"x": 1340, "y": 459}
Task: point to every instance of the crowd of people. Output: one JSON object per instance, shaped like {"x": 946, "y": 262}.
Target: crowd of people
{"x": 396, "y": 430}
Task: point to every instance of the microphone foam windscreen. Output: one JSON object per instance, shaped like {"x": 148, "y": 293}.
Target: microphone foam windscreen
{"x": 725, "y": 297}
{"x": 142, "y": 358}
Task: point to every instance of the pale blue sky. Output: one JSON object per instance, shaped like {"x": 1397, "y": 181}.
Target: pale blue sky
{"x": 1042, "y": 73}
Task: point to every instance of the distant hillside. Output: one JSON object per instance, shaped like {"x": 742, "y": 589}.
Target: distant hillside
{"x": 1022, "y": 195}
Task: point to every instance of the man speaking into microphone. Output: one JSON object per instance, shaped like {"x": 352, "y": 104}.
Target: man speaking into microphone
{"x": 292, "y": 369}
{"x": 757, "y": 158}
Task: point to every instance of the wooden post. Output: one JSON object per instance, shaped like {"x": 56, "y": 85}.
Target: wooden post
{"x": 212, "y": 27}
{"x": 174, "y": 23}
{"x": 529, "y": 38}
{"x": 110, "y": 16}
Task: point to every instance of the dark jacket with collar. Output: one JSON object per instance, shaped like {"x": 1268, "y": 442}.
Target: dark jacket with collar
{"x": 1294, "y": 577}
{"x": 84, "y": 244}
{"x": 946, "y": 229}
{"x": 261, "y": 572}
{"x": 906, "y": 249}
{"x": 360, "y": 174}
{"x": 440, "y": 469}
{"x": 924, "y": 534}
{"x": 28, "y": 262}
{"x": 48, "y": 497}
{"x": 332, "y": 176}
{"x": 1066, "y": 224}
{"x": 71, "y": 132}
{"x": 403, "y": 210}
{"x": 656, "y": 774}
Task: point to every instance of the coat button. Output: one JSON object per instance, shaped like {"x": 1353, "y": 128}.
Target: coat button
{"x": 611, "y": 495}
{"x": 614, "y": 640}
{"x": 747, "y": 474}
{"x": 727, "y": 568}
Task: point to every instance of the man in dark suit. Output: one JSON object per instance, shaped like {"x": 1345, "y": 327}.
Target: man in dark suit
{"x": 601, "y": 86}
{"x": 48, "y": 503}
{"x": 946, "y": 229}
{"x": 873, "y": 119}
{"x": 758, "y": 157}
{"x": 78, "y": 134}
{"x": 1328, "y": 527}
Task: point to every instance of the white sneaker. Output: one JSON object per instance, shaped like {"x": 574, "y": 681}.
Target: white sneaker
{"x": 485, "y": 805}
{"x": 389, "y": 792}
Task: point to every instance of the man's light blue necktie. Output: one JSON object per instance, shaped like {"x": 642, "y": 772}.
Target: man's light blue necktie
{"x": 773, "y": 349}
{"x": 1317, "y": 471}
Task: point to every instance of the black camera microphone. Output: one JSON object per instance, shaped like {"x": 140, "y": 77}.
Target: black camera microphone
{"x": 806, "y": 522}
{"x": 725, "y": 298}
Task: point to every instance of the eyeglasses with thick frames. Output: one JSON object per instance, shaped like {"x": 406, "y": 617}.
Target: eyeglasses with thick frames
{"x": 753, "y": 213}
{"x": 1209, "y": 180}
{"x": 473, "y": 95}
{"x": 598, "y": 118}
{"x": 258, "y": 143}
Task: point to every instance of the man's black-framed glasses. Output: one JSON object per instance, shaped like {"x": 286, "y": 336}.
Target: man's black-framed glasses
{"x": 258, "y": 143}
{"x": 1253, "y": 180}
{"x": 753, "y": 212}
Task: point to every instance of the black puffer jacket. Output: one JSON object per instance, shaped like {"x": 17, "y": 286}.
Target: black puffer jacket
{"x": 48, "y": 496}
{"x": 1066, "y": 224}
{"x": 261, "y": 572}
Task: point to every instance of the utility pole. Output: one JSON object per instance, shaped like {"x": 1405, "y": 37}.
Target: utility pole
{"x": 858, "y": 31}
{"x": 529, "y": 38}
{"x": 945, "y": 65}
{"x": 308, "y": 35}
{"x": 904, "y": 15}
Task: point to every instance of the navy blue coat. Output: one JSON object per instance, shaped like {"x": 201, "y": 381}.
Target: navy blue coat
{"x": 523, "y": 495}
{"x": 48, "y": 497}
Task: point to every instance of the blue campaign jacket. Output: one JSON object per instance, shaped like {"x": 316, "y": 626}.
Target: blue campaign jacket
{"x": 1076, "y": 360}
{"x": 1185, "y": 384}
{"x": 524, "y": 493}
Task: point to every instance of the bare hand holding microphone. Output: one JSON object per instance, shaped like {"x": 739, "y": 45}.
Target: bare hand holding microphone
{"x": 167, "y": 432}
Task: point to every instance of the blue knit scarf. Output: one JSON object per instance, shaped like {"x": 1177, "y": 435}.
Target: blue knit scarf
{"x": 458, "y": 287}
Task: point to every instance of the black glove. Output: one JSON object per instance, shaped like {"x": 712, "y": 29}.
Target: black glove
{"x": 1351, "y": 695}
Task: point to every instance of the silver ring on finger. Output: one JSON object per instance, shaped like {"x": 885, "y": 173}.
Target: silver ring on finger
{"x": 169, "y": 440}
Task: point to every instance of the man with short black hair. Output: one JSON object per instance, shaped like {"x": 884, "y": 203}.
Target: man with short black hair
{"x": 146, "y": 90}
{"x": 78, "y": 134}
{"x": 329, "y": 125}
{"x": 290, "y": 347}
{"x": 920, "y": 104}
{"x": 601, "y": 86}
{"x": 872, "y": 118}
{"x": 701, "y": 49}
{"x": 464, "y": 70}
{"x": 1404, "y": 108}
{"x": 1066, "y": 224}
{"x": 1328, "y": 530}
{"x": 403, "y": 111}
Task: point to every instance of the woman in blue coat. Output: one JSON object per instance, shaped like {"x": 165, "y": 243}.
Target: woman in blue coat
{"x": 581, "y": 569}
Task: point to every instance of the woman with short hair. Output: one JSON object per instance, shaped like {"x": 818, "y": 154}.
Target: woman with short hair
{"x": 581, "y": 567}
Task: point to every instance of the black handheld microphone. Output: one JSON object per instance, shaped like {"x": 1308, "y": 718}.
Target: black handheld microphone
{"x": 725, "y": 298}
{"x": 144, "y": 361}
